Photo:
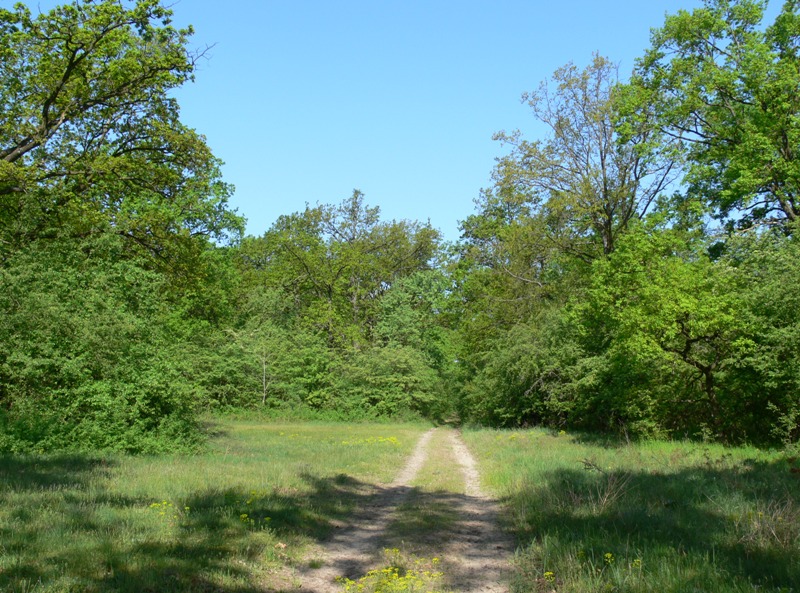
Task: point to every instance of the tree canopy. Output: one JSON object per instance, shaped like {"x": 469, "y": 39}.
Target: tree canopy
{"x": 591, "y": 289}
{"x": 90, "y": 139}
{"x": 725, "y": 86}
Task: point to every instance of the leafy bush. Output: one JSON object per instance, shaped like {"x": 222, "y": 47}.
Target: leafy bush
{"x": 86, "y": 358}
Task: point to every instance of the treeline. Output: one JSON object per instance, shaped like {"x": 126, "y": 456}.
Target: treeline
{"x": 634, "y": 270}
{"x": 598, "y": 293}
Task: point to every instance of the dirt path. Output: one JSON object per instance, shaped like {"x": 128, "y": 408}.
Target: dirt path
{"x": 477, "y": 551}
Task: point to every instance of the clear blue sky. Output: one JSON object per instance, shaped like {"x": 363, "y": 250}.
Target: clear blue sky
{"x": 306, "y": 100}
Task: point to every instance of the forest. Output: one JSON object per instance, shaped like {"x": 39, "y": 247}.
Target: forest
{"x": 632, "y": 272}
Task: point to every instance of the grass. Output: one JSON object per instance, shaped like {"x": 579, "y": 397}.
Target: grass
{"x": 654, "y": 516}
{"x": 237, "y": 518}
{"x": 589, "y": 515}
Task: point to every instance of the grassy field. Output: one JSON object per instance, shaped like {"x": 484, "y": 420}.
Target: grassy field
{"x": 236, "y": 518}
{"x": 589, "y": 515}
{"x": 592, "y": 516}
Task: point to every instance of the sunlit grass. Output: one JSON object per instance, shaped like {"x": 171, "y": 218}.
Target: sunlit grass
{"x": 655, "y": 516}
{"x": 239, "y": 516}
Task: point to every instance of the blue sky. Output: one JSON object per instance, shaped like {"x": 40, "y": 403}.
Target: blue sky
{"x": 306, "y": 100}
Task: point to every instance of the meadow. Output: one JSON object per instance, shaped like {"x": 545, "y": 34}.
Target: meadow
{"x": 604, "y": 516}
{"x": 256, "y": 506}
{"x": 240, "y": 517}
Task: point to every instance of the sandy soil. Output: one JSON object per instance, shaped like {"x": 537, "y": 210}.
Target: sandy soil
{"x": 477, "y": 552}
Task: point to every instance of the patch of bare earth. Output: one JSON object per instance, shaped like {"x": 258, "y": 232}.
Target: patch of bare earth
{"x": 476, "y": 552}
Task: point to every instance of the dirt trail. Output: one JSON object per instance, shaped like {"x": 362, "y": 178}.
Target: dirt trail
{"x": 352, "y": 551}
{"x": 477, "y": 552}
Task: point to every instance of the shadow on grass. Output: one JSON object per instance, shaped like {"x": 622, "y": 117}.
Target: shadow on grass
{"x": 53, "y": 471}
{"x": 719, "y": 526}
{"x": 425, "y": 520}
{"x": 61, "y": 529}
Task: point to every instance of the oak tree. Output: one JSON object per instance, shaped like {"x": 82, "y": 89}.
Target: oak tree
{"x": 90, "y": 139}
{"x": 726, "y": 88}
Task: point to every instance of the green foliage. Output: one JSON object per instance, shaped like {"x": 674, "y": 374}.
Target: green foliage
{"x": 663, "y": 318}
{"x": 726, "y": 86}
{"x": 86, "y": 358}
{"x": 336, "y": 262}
{"x": 662, "y": 339}
{"x": 583, "y": 183}
{"x": 387, "y": 381}
{"x": 766, "y": 376}
{"x": 580, "y": 296}
{"x": 341, "y": 313}
{"x": 525, "y": 377}
{"x": 91, "y": 142}
{"x": 666, "y": 329}
{"x": 692, "y": 345}
{"x": 108, "y": 206}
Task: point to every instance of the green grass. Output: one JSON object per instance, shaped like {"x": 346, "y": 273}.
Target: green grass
{"x": 655, "y": 516}
{"x": 237, "y": 518}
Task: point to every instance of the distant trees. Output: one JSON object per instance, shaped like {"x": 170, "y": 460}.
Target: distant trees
{"x": 355, "y": 297}
{"x": 339, "y": 260}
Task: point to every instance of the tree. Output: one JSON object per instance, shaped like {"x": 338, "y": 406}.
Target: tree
{"x": 335, "y": 262}
{"x": 582, "y": 184}
{"x": 663, "y": 318}
{"x": 90, "y": 140}
{"x": 109, "y": 210}
{"x": 558, "y": 204}
{"x": 726, "y": 89}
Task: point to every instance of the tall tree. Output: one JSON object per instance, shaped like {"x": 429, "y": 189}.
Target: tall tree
{"x": 90, "y": 140}
{"x": 109, "y": 209}
{"x": 727, "y": 89}
{"x": 581, "y": 183}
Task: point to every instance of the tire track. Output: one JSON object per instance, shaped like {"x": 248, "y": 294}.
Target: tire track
{"x": 477, "y": 553}
{"x": 353, "y": 551}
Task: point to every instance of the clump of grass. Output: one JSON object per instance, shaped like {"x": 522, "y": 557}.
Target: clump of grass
{"x": 606, "y": 492}
{"x": 771, "y": 524}
{"x": 401, "y": 573}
